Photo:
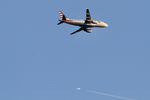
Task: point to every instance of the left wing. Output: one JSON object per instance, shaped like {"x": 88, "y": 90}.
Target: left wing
{"x": 80, "y": 29}
{"x": 89, "y": 30}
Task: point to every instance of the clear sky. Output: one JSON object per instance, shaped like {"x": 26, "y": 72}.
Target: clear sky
{"x": 42, "y": 61}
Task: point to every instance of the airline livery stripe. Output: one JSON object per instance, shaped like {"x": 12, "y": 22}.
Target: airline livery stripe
{"x": 61, "y": 14}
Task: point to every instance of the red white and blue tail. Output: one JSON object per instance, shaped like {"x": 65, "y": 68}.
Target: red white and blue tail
{"x": 62, "y": 16}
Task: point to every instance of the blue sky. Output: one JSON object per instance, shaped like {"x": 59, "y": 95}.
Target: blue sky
{"x": 41, "y": 61}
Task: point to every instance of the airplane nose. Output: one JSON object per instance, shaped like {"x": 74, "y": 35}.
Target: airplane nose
{"x": 104, "y": 24}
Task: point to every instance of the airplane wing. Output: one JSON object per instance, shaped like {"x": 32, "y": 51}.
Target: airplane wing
{"x": 88, "y": 16}
{"x": 80, "y": 29}
{"x": 89, "y": 30}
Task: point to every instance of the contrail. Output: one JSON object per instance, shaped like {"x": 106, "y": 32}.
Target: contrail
{"x": 110, "y": 95}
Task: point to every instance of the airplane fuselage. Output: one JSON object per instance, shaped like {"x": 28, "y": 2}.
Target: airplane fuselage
{"x": 82, "y": 23}
{"x": 85, "y": 25}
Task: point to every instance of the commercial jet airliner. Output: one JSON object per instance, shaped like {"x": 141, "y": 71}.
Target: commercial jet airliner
{"x": 85, "y": 25}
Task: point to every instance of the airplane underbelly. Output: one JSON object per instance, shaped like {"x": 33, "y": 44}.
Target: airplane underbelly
{"x": 76, "y": 23}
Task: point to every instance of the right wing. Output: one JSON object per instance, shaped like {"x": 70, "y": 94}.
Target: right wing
{"x": 88, "y": 16}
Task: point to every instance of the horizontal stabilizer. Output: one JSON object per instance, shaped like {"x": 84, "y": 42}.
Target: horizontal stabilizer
{"x": 60, "y": 22}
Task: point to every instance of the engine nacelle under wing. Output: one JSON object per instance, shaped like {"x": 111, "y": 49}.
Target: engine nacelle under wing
{"x": 89, "y": 30}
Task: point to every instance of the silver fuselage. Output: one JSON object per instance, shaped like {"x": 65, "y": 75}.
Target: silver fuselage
{"x": 82, "y": 23}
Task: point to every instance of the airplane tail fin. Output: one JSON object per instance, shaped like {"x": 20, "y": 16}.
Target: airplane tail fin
{"x": 62, "y": 16}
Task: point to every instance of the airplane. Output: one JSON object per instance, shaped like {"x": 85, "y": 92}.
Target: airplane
{"x": 85, "y": 25}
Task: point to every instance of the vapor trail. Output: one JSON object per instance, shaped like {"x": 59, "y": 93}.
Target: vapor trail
{"x": 110, "y": 95}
